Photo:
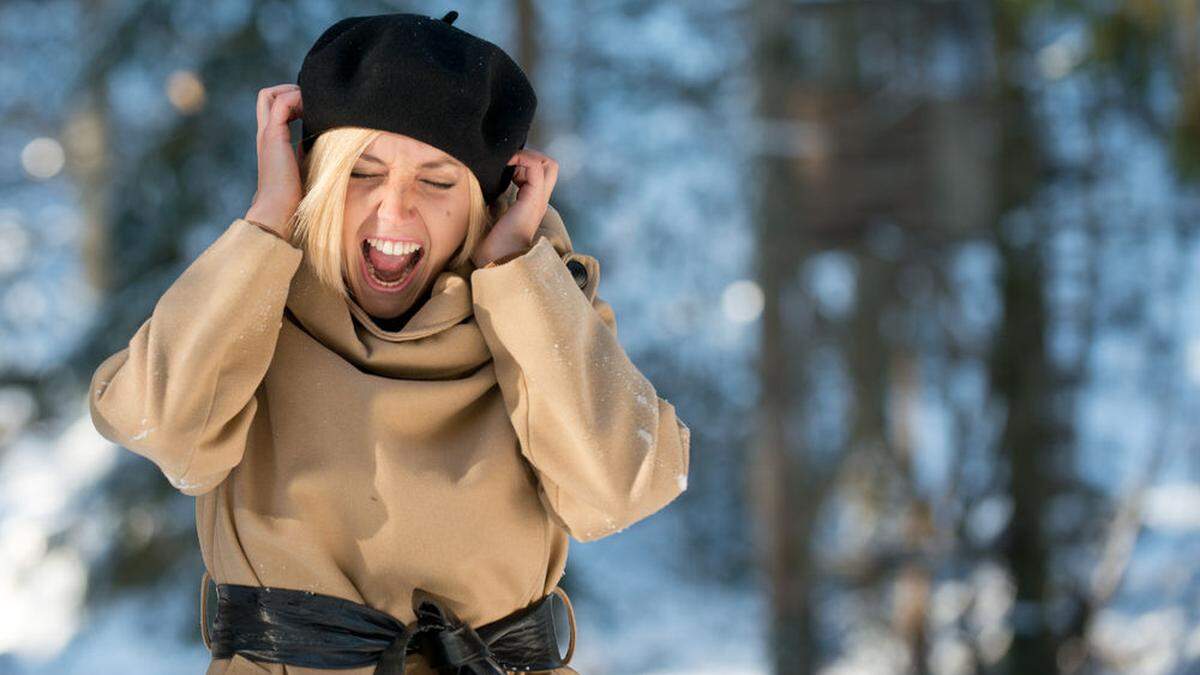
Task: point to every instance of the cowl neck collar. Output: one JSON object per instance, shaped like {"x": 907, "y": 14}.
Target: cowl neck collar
{"x": 440, "y": 341}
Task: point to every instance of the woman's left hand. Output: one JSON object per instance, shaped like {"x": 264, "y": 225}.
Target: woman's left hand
{"x": 534, "y": 177}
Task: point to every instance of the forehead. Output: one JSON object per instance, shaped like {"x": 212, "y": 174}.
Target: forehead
{"x": 394, "y": 148}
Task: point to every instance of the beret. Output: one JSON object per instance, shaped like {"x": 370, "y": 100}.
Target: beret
{"x": 421, "y": 77}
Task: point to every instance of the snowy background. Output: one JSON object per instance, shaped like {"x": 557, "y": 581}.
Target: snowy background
{"x": 923, "y": 279}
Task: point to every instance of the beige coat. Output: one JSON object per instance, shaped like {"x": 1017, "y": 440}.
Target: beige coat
{"x": 457, "y": 454}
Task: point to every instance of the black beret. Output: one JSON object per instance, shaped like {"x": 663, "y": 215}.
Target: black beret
{"x": 422, "y": 77}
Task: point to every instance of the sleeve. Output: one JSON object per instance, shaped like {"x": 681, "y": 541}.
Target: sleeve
{"x": 182, "y": 393}
{"x": 608, "y": 451}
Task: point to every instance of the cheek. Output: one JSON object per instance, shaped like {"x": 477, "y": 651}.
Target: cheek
{"x": 355, "y": 203}
{"x": 350, "y": 242}
{"x": 353, "y": 214}
{"x": 453, "y": 226}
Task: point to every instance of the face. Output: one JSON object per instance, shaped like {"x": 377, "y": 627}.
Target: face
{"x": 402, "y": 192}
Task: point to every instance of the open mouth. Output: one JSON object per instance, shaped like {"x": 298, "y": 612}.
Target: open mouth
{"x": 390, "y": 272}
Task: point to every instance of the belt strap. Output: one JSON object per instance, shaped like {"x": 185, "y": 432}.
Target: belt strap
{"x": 204, "y": 610}
{"x": 304, "y": 628}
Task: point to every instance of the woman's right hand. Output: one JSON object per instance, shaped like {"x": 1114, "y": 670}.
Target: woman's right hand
{"x": 279, "y": 186}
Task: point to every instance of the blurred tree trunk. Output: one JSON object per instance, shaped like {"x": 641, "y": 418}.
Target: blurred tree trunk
{"x": 86, "y": 143}
{"x": 1021, "y": 374}
{"x": 871, "y": 162}
{"x": 785, "y": 496}
{"x": 85, "y": 137}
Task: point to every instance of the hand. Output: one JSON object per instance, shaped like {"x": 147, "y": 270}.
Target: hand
{"x": 279, "y": 186}
{"x": 534, "y": 176}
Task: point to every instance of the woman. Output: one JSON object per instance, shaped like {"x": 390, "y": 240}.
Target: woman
{"x": 392, "y": 386}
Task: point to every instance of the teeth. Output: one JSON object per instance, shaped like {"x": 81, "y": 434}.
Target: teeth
{"x": 394, "y": 247}
{"x": 389, "y": 284}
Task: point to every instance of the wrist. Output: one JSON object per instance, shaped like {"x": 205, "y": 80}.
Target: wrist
{"x": 270, "y": 218}
{"x": 500, "y": 260}
{"x": 267, "y": 228}
{"x": 498, "y": 252}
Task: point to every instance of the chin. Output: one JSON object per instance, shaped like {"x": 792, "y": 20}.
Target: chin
{"x": 382, "y": 308}
{"x": 385, "y": 316}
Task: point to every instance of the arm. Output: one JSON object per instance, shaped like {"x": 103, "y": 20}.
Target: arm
{"x": 608, "y": 451}
{"x": 182, "y": 393}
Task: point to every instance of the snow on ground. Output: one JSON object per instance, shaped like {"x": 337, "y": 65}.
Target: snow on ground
{"x": 42, "y": 475}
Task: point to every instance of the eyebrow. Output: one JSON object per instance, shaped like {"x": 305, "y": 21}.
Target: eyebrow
{"x": 427, "y": 165}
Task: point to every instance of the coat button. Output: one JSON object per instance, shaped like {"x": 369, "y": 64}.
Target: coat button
{"x": 578, "y": 271}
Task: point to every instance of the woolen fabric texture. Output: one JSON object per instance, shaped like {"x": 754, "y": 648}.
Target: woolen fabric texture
{"x": 457, "y": 454}
{"x": 425, "y": 78}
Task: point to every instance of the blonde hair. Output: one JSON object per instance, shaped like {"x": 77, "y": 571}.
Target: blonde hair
{"x": 316, "y": 226}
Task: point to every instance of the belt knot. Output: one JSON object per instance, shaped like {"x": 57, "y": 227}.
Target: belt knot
{"x": 450, "y": 645}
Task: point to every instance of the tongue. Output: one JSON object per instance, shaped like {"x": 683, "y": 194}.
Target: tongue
{"x": 388, "y": 267}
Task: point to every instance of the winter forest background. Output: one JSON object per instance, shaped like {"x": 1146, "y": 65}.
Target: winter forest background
{"x": 923, "y": 278}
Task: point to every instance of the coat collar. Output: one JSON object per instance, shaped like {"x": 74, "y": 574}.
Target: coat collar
{"x": 440, "y": 341}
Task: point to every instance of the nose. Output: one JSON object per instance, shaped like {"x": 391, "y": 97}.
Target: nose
{"x": 397, "y": 203}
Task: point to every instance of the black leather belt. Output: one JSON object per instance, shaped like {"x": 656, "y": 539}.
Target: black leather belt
{"x": 303, "y": 628}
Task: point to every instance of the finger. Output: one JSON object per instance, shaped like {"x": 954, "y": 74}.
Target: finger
{"x": 266, "y": 97}
{"x": 262, "y": 109}
{"x": 524, "y": 168}
{"x": 523, "y": 157}
{"x": 551, "y": 176}
{"x": 534, "y": 181}
{"x": 538, "y": 178}
{"x": 266, "y": 94}
{"x": 535, "y": 172}
{"x": 281, "y": 88}
{"x": 298, "y": 109}
{"x": 285, "y": 100}
{"x": 550, "y": 168}
{"x": 292, "y": 105}
{"x": 526, "y": 171}
{"x": 285, "y": 108}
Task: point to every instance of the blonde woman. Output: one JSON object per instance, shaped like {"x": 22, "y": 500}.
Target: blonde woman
{"x": 392, "y": 387}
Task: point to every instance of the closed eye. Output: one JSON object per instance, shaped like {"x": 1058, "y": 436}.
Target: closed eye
{"x": 443, "y": 186}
